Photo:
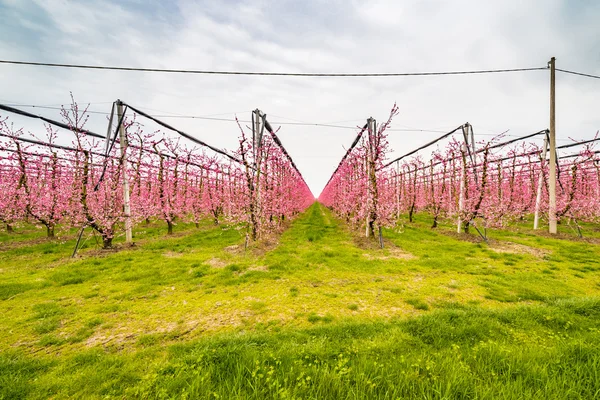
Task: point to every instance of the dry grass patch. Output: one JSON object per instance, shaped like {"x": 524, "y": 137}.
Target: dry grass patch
{"x": 216, "y": 263}
{"x": 516, "y": 248}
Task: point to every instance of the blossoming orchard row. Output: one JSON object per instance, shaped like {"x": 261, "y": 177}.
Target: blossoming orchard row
{"x": 488, "y": 187}
{"x": 81, "y": 185}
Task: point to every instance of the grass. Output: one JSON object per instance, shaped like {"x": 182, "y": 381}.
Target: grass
{"x": 316, "y": 313}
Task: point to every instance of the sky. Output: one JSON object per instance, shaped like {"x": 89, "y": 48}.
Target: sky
{"x": 319, "y": 36}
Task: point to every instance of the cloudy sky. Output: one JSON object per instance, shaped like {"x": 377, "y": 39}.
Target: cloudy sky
{"x": 333, "y": 36}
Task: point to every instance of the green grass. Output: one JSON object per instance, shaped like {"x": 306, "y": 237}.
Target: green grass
{"x": 418, "y": 304}
{"x": 318, "y": 312}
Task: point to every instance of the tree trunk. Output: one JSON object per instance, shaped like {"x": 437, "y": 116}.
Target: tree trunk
{"x": 169, "y": 228}
{"x": 9, "y": 228}
{"x": 107, "y": 242}
{"x": 50, "y": 231}
{"x": 371, "y": 225}
{"x": 197, "y": 225}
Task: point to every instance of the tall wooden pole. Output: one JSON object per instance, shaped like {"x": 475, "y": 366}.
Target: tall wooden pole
{"x": 552, "y": 177}
{"x": 368, "y": 192}
{"x": 123, "y": 146}
{"x": 371, "y": 178}
{"x": 367, "y": 172}
{"x": 398, "y": 188}
{"x": 109, "y": 131}
{"x": 256, "y": 135}
{"x": 461, "y": 194}
{"x": 257, "y": 147}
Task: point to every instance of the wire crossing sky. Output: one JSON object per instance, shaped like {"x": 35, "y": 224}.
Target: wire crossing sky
{"x": 296, "y": 74}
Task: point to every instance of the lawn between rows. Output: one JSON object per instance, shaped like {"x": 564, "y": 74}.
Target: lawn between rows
{"x": 317, "y": 313}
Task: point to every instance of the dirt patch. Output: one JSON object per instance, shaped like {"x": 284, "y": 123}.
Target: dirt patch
{"x": 106, "y": 252}
{"x": 102, "y": 340}
{"x": 366, "y": 243}
{"x": 389, "y": 252}
{"x": 166, "y": 328}
{"x": 263, "y": 246}
{"x": 261, "y": 268}
{"x": 268, "y": 241}
{"x": 391, "y": 256}
{"x": 516, "y": 248}
{"x": 216, "y": 322}
{"x": 172, "y": 254}
{"x": 216, "y": 263}
{"x": 234, "y": 249}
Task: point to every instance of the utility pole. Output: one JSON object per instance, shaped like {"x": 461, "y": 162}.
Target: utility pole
{"x": 552, "y": 177}
{"x": 371, "y": 178}
{"x": 123, "y": 146}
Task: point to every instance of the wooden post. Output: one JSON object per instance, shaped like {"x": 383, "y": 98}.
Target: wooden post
{"x": 552, "y": 173}
{"x": 538, "y": 198}
{"x": 257, "y": 134}
{"x": 463, "y": 175}
{"x": 109, "y": 130}
{"x": 473, "y": 149}
{"x": 451, "y": 182}
{"x": 257, "y": 143}
{"x": 77, "y": 243}
{"x": 398, "y": 188}
{"x": 469, "y": 137}
{"x": 367, "y": 164}
{"x": 123, "y": 146}
{"x": 371, "y": 178}
{"x": 368, "y": 192}
{"x": 461, "y": 194}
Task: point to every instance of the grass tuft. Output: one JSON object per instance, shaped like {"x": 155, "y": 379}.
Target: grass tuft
{"x": 418, "y": 304}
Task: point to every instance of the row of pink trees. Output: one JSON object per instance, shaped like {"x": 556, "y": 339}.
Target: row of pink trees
{"x": 273, "y": 187}
{"x": 78, "y": 184}
{"x": 356, "y": 191}
{"x": 494, "y": 188}
{"x": 490, "y": 188}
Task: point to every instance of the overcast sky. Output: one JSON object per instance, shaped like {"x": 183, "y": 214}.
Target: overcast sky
{"x": 311, "y": 36}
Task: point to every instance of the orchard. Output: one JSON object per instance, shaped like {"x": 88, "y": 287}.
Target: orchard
{"x": 149, "y": 263}
{"x": 79, "y": 185}
{"x": 476, "y": 184}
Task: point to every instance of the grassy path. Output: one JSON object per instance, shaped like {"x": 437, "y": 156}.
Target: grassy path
{"x": 320, "y": 313}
